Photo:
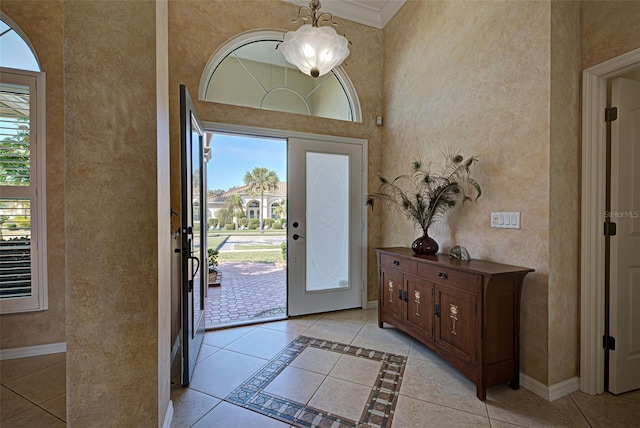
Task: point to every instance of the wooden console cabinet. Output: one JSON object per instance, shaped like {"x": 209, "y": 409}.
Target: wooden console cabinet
{"x": 468, "y": 312}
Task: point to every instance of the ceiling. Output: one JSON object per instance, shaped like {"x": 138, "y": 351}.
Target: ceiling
{"x": 374, "y": 13}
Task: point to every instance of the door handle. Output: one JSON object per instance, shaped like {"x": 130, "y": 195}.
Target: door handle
{"x": 296, "y": 236}
{"x": 197, "y": 260}
{"x": 442, "y": 275}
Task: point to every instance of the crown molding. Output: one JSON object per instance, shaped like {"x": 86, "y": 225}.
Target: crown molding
{"x": 374, "y": 13}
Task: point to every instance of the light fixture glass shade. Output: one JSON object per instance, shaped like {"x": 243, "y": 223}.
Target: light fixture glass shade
{"x": 314, "y": 50}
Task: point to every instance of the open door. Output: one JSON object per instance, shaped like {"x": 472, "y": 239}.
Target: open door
{"x": 624, "y": 358}
{"x": 192, "y": 230}
{"x": 325, "y": 226}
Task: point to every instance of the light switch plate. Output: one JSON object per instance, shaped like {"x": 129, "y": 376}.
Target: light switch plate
{"x": 505, "y": 220}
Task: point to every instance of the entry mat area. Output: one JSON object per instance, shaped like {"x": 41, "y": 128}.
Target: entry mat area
{"x": 378, "y": 411}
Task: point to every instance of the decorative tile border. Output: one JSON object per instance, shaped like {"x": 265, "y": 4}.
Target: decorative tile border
{"x": 378, "y": 412}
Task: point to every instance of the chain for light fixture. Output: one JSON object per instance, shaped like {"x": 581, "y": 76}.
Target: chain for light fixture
{"x": 312, "y": 14}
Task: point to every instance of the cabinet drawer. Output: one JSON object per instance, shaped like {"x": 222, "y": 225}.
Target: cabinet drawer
{"x": 455, "y": 278}
{"x": 400, "y": 263}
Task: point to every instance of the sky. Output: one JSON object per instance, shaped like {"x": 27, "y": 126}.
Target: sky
{"x": 232, "y": 156}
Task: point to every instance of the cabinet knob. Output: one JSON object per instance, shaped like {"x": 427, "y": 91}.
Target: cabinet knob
{"x": 396, "y": 263}
{"x": 442, "y": 275}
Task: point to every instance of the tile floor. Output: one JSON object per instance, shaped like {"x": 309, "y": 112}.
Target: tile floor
{"x": 300, "y": 372}
{"x": 341, "y": 370}
{"x": 32, "y": 392}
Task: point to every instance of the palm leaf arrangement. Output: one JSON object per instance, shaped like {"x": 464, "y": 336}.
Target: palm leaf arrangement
{"x": 429, "y": 190}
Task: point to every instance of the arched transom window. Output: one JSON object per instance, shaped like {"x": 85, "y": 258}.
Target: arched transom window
{"x": 250, "y": 71}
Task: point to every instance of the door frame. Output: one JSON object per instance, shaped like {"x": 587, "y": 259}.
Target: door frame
{"x": 592, "y": 247}
{"x": 284, "y": 134}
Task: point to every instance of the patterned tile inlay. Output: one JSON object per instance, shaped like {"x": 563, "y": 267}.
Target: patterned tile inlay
{"x": 377, "y": 413}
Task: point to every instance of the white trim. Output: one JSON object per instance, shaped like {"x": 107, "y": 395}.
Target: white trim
{"x": 168, "y": 416}
{"x": 226, "y": 128}
{"x": 552, "y": 392}
{"x": 594, "y": 97}
{"x": 247, "y": 37}
{"x": 372, "y": 304}
{"x": 32, "y": 351}
{"x": 176, "y": 347}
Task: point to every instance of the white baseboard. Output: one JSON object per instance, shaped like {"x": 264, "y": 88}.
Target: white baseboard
{"x": 32, "y": 351}
{"x": 552, "y": 392}
{"x": 372, "y": 304}
{"x": 168, "y": 417}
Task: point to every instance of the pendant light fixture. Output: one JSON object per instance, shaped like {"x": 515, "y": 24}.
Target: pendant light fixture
{"x": 313, "y": 49}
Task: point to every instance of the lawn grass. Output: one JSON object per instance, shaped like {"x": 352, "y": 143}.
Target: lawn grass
{"x": 247, "y": 232}
{"x": 240, "y": 247}
{"x": 216, "y": 241}
{"x": 251, "y": 256}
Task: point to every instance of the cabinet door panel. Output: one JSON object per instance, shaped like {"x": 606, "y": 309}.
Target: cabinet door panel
{"x": 391, "y": 291}
{"x": 420, "y": 304}
{"x": 456, "y": 325}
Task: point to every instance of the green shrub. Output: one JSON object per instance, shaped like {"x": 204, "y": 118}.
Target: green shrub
{"x": 224, "y": 216}
{"x": 11, "y": 226}
{"x": 277, "y": 225}
{"x": 243, "y": 222}
{"x": 254, "y": 223}
{"x": 213, "y": 259}
{"x": 213, "y": 222}
{"x": 268, "y": 222}
{"x": 284, "y": 250}
{"x": 283, "y": 221}
{"x": 230, "y": 226}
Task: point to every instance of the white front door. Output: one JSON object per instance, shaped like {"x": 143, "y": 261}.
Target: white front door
{"x": 624, "y": 361}
{"x": 325, "y": 243}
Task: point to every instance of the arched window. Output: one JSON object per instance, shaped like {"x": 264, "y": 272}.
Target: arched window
{"x": 253, "y": 209}
{"x": 275, "y": 210}
{"x": 15, "y": 52}
{"x": 23, "y": 277}
{"x": 250, "y": 71}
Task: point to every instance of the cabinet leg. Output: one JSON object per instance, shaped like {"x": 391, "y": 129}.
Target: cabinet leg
{"x": 481, "y": 393}
{"x": 380, "y": 324}
{"x": 515, "y": 384}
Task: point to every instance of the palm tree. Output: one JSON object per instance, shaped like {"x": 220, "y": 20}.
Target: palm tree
{"x": 260, "y": 180}
{"x": 234, "y": 203}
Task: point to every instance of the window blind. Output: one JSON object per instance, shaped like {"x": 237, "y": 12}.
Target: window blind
{"x": 15, "y": 188}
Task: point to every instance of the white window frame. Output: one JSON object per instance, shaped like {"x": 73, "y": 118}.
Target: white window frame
{"x": 35, "y": 192}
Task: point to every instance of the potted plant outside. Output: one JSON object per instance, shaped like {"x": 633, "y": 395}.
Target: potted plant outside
{"x": 213, "y": 270}
{"x": 428, "y": 192}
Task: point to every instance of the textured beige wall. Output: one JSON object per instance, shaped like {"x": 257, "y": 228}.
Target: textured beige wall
{"x": 42, "y": 24}
{"x": 609, "y": 29}
{"x": 564, "y": 190}
{"x": 112, "y": 219}
{"x": 198, "y": 28}
{"x": 475, "y": 76}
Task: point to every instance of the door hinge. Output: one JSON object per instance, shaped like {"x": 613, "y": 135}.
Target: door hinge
{"x": 610, "y": 114}
{"x": 609, "y": 342}
{"x": 609, "y": 228}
